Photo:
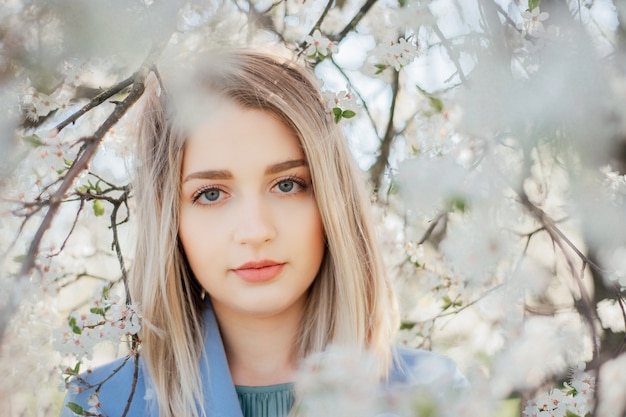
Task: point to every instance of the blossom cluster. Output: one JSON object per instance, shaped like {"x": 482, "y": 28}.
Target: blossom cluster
{"x": 108, "y": 320}
{"x": 393, "y": 54}
{"x": 575, "y": 398}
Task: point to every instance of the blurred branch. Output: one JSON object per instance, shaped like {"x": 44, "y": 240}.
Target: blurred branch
{"x": 262, "y": 18}
{"x": 453, "y": 54}
{"x": 318, "y": 24}
{"x": 584, "y": 303}
{"x": 303, "y": 45}
{"x": 441, "y": 216}
{"x": 378, "y": 168}
{"x": 355, "y": 21}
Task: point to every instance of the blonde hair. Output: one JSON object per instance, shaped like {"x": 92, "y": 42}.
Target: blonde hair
{"x": 350, "y": 303}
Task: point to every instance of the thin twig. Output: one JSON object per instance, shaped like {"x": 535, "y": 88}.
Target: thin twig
{"x": 451, "y": 53}
{"x": 133, "y": 386}
{"x": 96, "y": 101}
{"x": 80, "y": 208}
{"x": 116, "y": 244}
{"x": 377, "y": 170}
{"x": 432, "y": 226}
{"x": 358, "y": 94}
{"x": 316, "y": 26}
{"x": 355, "y": 21}
{"x": 583, "y": 305}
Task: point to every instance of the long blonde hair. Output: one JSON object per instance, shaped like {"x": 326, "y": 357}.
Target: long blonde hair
{"x": 350, "y": 302}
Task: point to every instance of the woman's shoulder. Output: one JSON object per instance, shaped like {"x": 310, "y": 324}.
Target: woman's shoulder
{"x": 108, "y": 390}
{"x": 414, "y": 367}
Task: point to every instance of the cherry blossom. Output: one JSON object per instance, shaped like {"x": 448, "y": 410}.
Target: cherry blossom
{"x": 533, "y": 21}
{"x": 319, "y": 46}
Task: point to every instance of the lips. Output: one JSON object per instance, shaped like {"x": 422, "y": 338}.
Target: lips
{"x": 259, "y": 271}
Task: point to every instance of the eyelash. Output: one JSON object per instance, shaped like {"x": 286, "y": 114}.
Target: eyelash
{"x": 293, "y": 178}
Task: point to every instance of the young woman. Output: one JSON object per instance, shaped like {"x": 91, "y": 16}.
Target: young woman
{"x": 255, "y": 247}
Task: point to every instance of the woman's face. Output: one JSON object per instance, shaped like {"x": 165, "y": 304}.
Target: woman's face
{"x": 249, "y": 222}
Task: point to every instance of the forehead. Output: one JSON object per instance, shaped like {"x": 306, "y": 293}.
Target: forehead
{"x": 231, "y": 136}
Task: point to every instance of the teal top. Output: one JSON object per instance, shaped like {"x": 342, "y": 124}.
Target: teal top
{"x": 267, "y": 401}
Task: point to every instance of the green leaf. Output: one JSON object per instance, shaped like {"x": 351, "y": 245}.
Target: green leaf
{"x": 435, "y": 102}
{"x": 458, "y": 203}
{"x": 98, "y": 311}
{"x": 425, "y": 407}
{"x": 448, "y": 302}
{"x": 532, "y": 4}
{"x": 74, "y": 326}
{"x": 570, "y": 414}
{"x": 33, "y": 140}
{"x": 67, "y": 162}
{"x": 338, "y": 113}
{"x": 19, "y": 259}
{"x": 380, "y": 68}
{"x": 98, "y": 208}
{"x": 348, "y": 114}
{"x": 76, "y": 409}
{"x": 406, "y": 325}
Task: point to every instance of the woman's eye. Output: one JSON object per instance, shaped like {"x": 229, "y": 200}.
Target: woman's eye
{"x": 211, "y": 195}
{"x": 288, "y": 186}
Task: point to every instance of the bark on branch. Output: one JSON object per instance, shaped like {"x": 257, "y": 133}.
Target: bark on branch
{"x": 86, "y": 154}
{"x": 377, "y": 170}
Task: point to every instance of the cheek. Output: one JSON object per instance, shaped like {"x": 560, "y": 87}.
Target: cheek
{"x": 199, "y": 239}
{"x": 312, "y": 232}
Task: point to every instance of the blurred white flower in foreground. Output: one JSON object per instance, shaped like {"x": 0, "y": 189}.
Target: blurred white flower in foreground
{"x": 343, "y": 382}
{"x": 612, "y": 388}
{"x": 533, "y": 22}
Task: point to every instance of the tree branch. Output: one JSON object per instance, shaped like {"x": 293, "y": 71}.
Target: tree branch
{"x": 355, "y": 20}
{"x": 86, "y": 153}
{"x": 377, "y": 170}
{"x": 96, "y": 101}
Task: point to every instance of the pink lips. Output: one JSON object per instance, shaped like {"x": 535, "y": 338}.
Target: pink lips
{"x": 259, "y": 271}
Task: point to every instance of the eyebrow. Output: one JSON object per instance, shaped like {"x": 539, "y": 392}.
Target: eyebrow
{"x": 222, "y": 174}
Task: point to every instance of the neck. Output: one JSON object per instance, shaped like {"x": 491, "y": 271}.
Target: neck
{"x": 260, "y": 349}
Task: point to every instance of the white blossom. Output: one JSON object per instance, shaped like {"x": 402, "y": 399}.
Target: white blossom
{"x": 344, "y": 100}
{"x": 533, "y": 21}
{"x": 611, "y": 315}
{"x": 612, "y": 388}
{"x": 319, "y": 45}
{"x": 395, "y": 53}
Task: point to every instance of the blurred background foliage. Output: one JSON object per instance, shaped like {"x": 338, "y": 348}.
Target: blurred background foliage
{"x": 493, "y": 133}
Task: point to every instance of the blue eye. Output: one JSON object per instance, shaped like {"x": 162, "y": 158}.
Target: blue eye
{"x": 208, "y": 196}
{"x": 286, "y": 186}
{"x": 211, "y": 195}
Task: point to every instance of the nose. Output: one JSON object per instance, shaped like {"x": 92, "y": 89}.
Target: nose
{"x": 255, "y": 225}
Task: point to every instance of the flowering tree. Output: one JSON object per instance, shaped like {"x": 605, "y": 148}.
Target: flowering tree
{"x": 494, "y": 136}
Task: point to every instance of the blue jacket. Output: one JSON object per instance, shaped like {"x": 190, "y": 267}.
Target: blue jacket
{"x": 411, "y": 368}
